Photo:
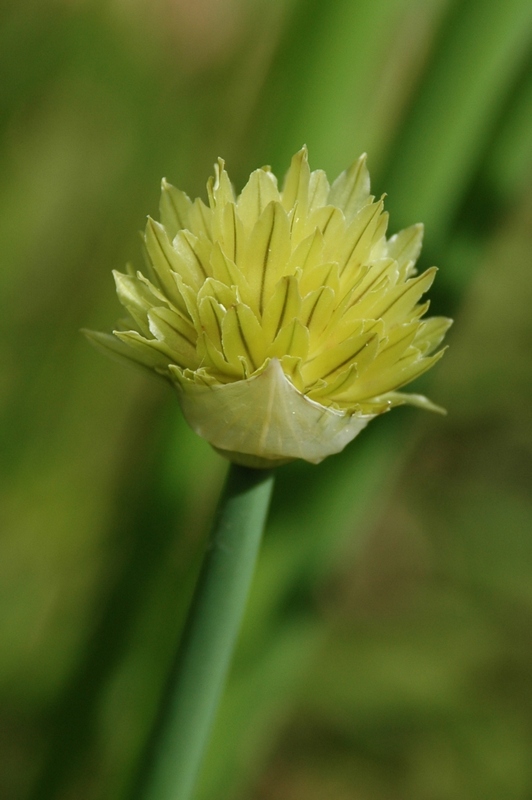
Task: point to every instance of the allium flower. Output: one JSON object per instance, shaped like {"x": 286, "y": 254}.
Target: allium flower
{"x": 285, "y": 319}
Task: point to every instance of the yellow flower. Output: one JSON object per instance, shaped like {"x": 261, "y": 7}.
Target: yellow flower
{"x": 285, "y": 319}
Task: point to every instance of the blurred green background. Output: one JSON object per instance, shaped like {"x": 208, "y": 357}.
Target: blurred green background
{"x": 387, "y": 649}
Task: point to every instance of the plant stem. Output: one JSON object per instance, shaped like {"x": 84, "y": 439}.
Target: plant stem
{"x": 181, "y": 733}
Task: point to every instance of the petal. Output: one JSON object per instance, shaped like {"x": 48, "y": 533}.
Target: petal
{"x": 165, "y": 261}
{"x": 259, "y": 191}
{"x": 174, "y": 207}
{"x": 329, "y": 362}
{"x": 292, "y": 340}
{"x": 182, "y": 349}
{"x": 404, "y": 398}
{"x": 125, "y": 354}
{"x": 214, "y": 357}
{"x": 431, "y": 332}
{"x": 175, "y": 320}
{"x": 222, "y": 293}
{"x": 226, "y": 271}
{"x": 221, "y": 190}
{"x": 322, "y": 275}
{"x": 188, "y": 262}
{"x": 296, "y": 184}
{"x": 135, "y": 297}
{"x": 360, "y": 236}
{"x": 283, "y": 306}
{"x": 405, "y": 247}
{"x": 307, "y": 254}
{"x": 317, "y": 310}
{"x": 342, "y": 383}
{"x": 229, "y": 232}
{"x": 200, "y": 219}
{"x": 318, "y": 189}
{"x": 242, "y": 337}
{"x": 408, "y": 369}
{"x": 350, "y": 190}
{"x": 399, "y": 301}
{"x": 147, "y": 351}
{"x": 211, "y": 315}
{"x": 331, "y": 222}
{"x": 268, "y": 251}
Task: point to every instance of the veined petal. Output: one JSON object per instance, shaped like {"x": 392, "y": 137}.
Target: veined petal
{"x": 430, "y": 333}
{"x": 223, "y": 294}
{"x": 317, "y": 310}
{"x": 174, "y": 208}
{"x": 135, "y": 297}
{"x": 404, "y": 398}
{"x": 318, "y": 190}
{"x": 296, "y": 184}
{"x": 124, "y": 353}
{"x": 257, "y": 194}
{"x": 350, "y": 190}
{"x": 323, "y": 275}
{"x": 360, "y": 237}
{"x": 242, "y": 336}
{"x": 408, "y": 369}
{"x": 226, "y": 271}
{"x": 405, "y": 247}
{"x": 328, "y": 363}
{"x": 222, "y": 191}
{"x": 211, "y": 314}
{"x": 150, "y": 352}
{"x": 331, "y": 223}
{"x": 229, "y": 232}
{"x": 292, "y": 340}
{"x": 283, "y": 307}
{"x": 179, "y": 323}
{"x": 232, "y": 370}
{"x": 267, "y": 253}
{"x": 307, "y": 254}
{"x": 401, "y": 299}
{"x": 341, "y": 384}
{"x": 200, "y": 219}
{"x": 181, "y": 348}
{"x": 399, "y": 340}
{"x": 165, "y": 261}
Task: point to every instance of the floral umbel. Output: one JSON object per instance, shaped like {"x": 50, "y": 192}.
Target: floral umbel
{"x": 285, "y": 318}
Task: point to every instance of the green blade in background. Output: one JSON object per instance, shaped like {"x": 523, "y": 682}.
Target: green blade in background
{"x": 482, "y": 48}
{"x": 339, "y": 80}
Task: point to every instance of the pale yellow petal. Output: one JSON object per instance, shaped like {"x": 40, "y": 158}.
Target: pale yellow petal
{"x": 174, "y": 208}
{"x": 292, "y": 340}
{"x": 243, "y": 337}
{"x": 259, "y": 191}
{"x": 296, "y": 184}
{"x": 350, "y": 190}
{"x": 283, "y": 306}
{"x": 267, "y": 253}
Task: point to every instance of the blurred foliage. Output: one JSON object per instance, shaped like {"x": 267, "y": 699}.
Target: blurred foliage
{"x": 387, "y": 650}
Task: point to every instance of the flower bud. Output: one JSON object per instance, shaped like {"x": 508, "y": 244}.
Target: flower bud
{"x": 285, "y": 318}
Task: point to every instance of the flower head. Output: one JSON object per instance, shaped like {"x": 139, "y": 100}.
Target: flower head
{"x": 285, "y": 318}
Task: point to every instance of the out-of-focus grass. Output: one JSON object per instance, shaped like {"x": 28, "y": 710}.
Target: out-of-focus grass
{"x": 383, "y": 651}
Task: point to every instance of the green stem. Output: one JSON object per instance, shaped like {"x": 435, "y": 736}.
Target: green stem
{"x": 197, "y": 678}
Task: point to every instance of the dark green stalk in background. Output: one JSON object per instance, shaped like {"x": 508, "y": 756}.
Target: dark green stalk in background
{"x": 196, "y": 681}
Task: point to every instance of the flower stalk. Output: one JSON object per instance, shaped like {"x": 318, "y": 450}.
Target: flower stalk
{"x": 181, "y": 732}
